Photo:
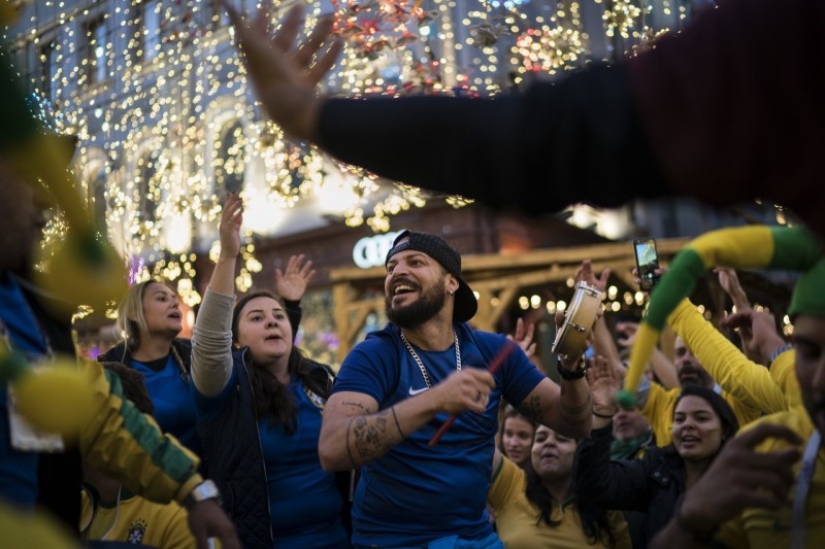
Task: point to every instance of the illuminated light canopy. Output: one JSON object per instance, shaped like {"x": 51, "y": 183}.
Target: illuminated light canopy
{"x": 167, "y": 125}
{"x": 548, "y": 50}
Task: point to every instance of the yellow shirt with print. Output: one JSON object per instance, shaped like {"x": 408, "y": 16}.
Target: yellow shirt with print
{"x": 516, "y": 517}
{"x": 757, "y": 528}
{"x": 137, "y": 520}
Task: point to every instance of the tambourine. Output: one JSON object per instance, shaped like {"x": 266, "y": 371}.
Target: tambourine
{"x": 571, "y": 339}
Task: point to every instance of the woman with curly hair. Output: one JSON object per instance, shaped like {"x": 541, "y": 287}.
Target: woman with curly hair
{"x": 536, "y": 507}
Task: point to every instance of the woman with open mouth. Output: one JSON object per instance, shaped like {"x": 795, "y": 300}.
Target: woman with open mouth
{"x": 150, "y": 319}
{"x": 535, "y": 505}
{"x": 259, "y": 404}
{"x": 653, "y": 484}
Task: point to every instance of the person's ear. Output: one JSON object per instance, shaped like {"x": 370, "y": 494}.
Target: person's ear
{"x": 452, "y": 285}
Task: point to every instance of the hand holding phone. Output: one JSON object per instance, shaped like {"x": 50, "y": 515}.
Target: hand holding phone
{"x": 647, "y": 262}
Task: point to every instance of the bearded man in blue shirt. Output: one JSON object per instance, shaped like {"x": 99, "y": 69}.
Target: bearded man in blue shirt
{"x": 398, "y": 387}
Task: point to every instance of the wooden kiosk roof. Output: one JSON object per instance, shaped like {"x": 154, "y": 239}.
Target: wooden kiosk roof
{"x": 489, "y": 275}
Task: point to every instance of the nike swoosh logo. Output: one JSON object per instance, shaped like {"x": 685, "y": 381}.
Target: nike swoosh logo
{"x": 414, "y": 392}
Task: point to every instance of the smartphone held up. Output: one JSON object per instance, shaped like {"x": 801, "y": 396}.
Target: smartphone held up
{"x": 647, "y": 262}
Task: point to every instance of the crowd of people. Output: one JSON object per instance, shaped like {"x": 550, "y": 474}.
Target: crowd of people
{"x": 301, "y": 456}
{"x": 433, "y": 434}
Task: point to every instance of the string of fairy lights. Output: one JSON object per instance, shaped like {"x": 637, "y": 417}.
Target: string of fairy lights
{"x": 167, "y": 124}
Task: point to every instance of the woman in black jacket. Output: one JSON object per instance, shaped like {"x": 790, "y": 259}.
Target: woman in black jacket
{"x": 702, "y": 423}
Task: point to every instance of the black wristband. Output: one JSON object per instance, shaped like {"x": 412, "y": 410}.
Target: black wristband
{"x": 567, "y": 375}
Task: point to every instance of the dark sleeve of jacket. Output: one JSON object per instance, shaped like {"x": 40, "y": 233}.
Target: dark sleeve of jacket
{"x": 732, "y": 110}
{"x": 577, "y": 140}
{"x": 724, "y": 110}
{"x": 119, "y": 353}
{"x": 621, "y": 484}
{"x": 294, "y": 313}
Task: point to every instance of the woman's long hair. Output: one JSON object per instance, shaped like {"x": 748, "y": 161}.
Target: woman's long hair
{"x": 131, "y": 321}
{"x": 595, "y": 523}
{"x": 271, "y": 396}
{"x": 509, "y": 413}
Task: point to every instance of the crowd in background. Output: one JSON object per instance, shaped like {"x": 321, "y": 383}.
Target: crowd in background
{"x": 244, "y": 399}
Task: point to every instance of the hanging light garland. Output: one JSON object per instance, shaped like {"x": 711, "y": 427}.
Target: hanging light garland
{"x": 160, "y": 102}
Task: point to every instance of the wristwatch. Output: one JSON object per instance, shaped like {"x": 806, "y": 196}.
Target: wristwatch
{"x": 203, "y": 491}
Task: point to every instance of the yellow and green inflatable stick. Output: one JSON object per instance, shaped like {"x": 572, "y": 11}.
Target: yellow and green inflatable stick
{"x": 742, "y": 247}
{"x": 53, "y": 399}
{"x": 86, "y": 270}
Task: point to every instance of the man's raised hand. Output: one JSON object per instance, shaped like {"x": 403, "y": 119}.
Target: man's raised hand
{"x": 283, "y": 75}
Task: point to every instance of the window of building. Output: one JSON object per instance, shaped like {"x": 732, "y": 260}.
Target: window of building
{"x": 47, "y": 65}
{"x": 229, "y": 159}
{"x": 95, "y": 53}
{"x": 151, "y": 28}
{"x": 19, "y": 54}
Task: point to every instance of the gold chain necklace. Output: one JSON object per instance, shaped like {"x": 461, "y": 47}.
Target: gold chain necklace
{"x": 421, "y": 364}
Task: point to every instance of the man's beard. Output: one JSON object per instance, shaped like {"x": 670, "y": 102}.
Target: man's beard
{"x": 417, "y": 313}
{"x": 701, "y": 379}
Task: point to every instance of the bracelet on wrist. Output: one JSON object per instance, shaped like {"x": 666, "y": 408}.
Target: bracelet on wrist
{"x": 202, "y": 492}
{"x": 570, "y": 375}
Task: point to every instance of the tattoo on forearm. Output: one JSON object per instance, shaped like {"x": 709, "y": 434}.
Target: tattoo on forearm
{"x": 531, "y": 407}
{"x": 370, "y": 436}
{"x": 365, "y": 409}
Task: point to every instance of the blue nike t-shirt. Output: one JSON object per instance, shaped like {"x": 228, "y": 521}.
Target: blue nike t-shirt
{"x": 416, "y": 493}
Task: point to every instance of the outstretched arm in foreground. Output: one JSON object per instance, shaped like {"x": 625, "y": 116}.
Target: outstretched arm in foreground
{"x": 658, "y": 124}
{"x": 282, "y": 73}
{"x": 546, "y": 135}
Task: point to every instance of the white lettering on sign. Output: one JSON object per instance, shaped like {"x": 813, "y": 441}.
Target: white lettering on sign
{"x": 371, "y": 251}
